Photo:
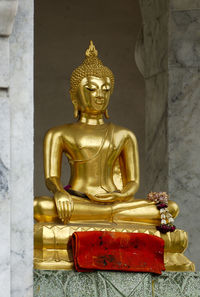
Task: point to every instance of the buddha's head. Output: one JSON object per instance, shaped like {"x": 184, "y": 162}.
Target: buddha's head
{"x": 92, "y": 84}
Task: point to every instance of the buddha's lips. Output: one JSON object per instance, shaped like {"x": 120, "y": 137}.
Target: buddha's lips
{"x": 99, "y": 101}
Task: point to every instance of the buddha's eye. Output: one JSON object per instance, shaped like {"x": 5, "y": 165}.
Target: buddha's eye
{"x": 90, "y": 88}
{"x": 106, "y": 88}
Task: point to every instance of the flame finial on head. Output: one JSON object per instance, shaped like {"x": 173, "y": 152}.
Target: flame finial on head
{"x": 91, "y": 51}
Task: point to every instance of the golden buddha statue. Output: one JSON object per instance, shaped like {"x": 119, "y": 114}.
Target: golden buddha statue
{"x": 104, "y": 177}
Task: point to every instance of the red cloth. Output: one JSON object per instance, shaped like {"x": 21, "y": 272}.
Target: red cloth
{"x": 103, "y": 250}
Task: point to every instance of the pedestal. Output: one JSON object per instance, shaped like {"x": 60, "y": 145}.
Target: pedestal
{"x": 53, "y": 250}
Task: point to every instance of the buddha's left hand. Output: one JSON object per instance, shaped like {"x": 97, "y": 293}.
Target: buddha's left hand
{"x": 118, "y": 196}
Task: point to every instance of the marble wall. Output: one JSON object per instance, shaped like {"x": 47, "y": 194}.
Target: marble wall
{"x": 16, "y": 153}
{"x": 6, "y": 24}
{"x": 171, "y": 32}
{"x": 4, "y": 195}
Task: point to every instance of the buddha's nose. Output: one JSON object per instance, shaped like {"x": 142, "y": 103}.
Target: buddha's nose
{"x": 100, "y": 94}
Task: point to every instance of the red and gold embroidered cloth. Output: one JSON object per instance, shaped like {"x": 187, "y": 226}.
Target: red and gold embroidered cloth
{"x": 103, "y": 250}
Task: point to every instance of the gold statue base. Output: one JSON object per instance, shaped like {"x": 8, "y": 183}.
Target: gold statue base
{"x": 53, "y": 250}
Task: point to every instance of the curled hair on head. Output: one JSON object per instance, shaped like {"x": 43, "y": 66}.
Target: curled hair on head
{"x": 91, "y": 66}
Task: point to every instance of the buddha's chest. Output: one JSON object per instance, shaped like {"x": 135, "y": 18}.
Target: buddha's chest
{"x": 93, "y": 145}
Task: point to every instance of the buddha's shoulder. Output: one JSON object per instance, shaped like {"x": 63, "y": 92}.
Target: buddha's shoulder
{"x": 60, "y": 130}
{"x": 123, "y": 132}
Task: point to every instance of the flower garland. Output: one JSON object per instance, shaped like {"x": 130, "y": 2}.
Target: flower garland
{"x": 161, "y": 201}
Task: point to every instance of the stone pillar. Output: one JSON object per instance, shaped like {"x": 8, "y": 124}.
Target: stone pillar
{"x": 184, "y": 118}
{"x": 16, "y": 151}
{"x": 155, "y": 42}
{"x": 171, "y": 54}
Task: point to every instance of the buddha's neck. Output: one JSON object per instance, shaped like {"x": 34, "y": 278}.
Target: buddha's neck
{"x": 91, "y": 119}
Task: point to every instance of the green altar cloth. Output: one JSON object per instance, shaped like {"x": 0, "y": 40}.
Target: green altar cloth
{"x": 115, "y": 284}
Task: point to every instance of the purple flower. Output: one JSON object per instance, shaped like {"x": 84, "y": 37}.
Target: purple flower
{"x": 164, "y": 228}
{"x": 161, "y": 205}
{"x": 67, "y": 187}
{"x": 173, "y": 228}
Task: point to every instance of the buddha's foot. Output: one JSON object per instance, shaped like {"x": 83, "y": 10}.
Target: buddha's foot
{"x": 51, "y": 241}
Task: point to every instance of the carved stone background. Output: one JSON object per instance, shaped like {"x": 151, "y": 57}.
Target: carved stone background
{"x": 115, "y": 284}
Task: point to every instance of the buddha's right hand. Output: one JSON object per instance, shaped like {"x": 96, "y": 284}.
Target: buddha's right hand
{"x": 64, "y": 205}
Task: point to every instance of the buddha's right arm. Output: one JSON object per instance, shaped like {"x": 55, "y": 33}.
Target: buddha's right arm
{"x": 54, "y": 185}
{"x": 53, "y": 148}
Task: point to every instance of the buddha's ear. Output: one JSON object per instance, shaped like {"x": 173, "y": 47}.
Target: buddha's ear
{"x": 75, "y": 103}
{"x": 71, "y": 95}
{"x": 106, "y": 114}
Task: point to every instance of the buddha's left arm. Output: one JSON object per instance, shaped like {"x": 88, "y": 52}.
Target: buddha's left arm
{"x": 130, "y": 161}
{"x": 130, "y": 171}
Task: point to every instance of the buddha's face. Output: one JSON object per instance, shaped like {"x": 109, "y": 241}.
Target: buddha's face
{"x": 93, "y": 94}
